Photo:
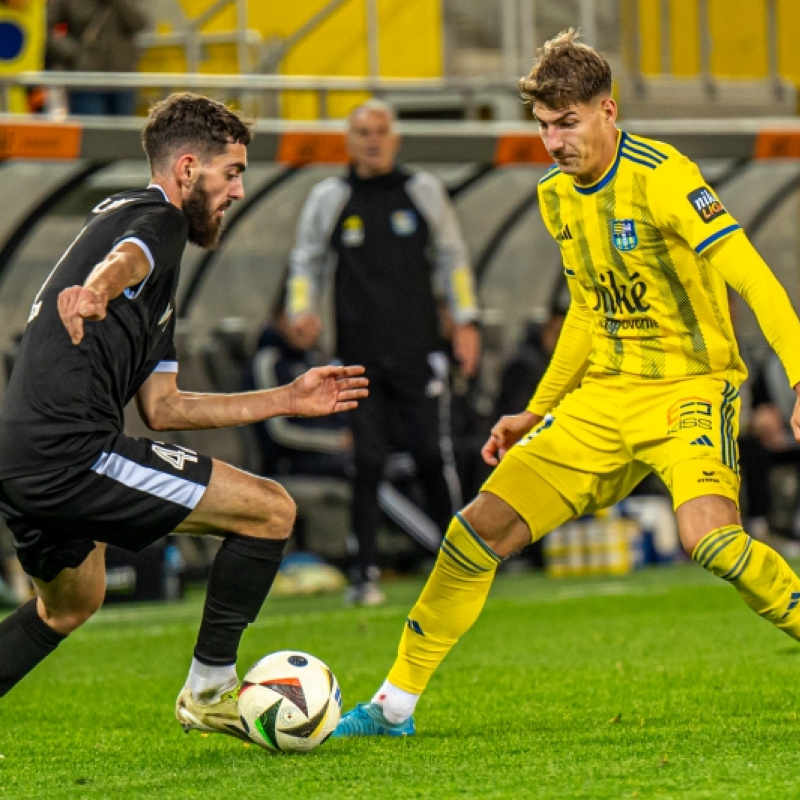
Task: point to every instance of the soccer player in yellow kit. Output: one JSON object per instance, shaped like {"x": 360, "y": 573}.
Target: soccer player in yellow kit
{"x": 644, "y": 378}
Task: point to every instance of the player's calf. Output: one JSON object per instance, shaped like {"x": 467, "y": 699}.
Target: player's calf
{"x": 761, "y": 576}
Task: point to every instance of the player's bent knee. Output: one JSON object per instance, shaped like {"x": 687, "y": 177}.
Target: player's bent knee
{"x": 280, "y": 511}
{"x": 700, "y": 516}
{"x": 66, "y": 619}
{"x": 499, "y": 526}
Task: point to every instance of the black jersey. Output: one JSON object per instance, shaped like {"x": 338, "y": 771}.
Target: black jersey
{"x": 383, "y": 283}
{"x": 394, "y": 247}
{"x": 64, "y": 400}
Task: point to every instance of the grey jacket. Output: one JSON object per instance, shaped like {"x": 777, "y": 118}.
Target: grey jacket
{"x": 313, "y": 258}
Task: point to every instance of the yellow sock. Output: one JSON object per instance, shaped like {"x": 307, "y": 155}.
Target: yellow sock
{"x": 450, "y": 602}
{"x": 764, "y": 580}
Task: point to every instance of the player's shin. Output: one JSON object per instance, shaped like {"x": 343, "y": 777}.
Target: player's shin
{"x": 448, "y": 606}
{"x": 241, "y": 577}
{"x": 761, "y": 576}
{"x": 25, "y": 640}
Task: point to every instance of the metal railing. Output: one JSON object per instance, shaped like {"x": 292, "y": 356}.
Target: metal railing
{"x": 468, "y": 93}
{"x": 190, "y": 37}
{"x": 254, "y": 53}
{"x": 705, "y": 75}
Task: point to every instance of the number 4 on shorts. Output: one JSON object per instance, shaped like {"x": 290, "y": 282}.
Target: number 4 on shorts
{"x": 177, "y": 457}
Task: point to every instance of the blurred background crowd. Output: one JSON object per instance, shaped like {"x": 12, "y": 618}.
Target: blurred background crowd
{"x": 712, "y": 76}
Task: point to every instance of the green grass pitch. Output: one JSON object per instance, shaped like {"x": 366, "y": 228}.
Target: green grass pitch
{"x": 659, "y": 684}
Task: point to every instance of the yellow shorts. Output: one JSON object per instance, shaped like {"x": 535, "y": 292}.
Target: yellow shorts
{"x": 604, "y": 437}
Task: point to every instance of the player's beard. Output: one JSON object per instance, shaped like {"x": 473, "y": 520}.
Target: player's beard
{"x": 205, "y": 227}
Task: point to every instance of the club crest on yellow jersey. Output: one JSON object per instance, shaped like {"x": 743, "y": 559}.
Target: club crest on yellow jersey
{"x": 623, "y": 234}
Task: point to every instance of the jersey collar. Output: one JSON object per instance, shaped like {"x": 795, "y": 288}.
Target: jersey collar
{"x": 608, "y": 175}
{"x": 160, "y": 189}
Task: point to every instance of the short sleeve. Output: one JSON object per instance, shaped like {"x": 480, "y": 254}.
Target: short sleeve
{"x": 165, "y": 355}
{"x": 163, "y": 358}
{"x": 683, "y": 202}
{"x": 159, "y": 229}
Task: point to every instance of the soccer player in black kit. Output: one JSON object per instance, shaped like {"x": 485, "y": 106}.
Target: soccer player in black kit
{"x": 100, "y": 333}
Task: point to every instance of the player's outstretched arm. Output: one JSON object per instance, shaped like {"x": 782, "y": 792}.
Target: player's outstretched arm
{"x": 124, "y": 267}
{"x": 320, "y": 391}
{"x": 507, "y": 432}
{"x": 740, "y": 264}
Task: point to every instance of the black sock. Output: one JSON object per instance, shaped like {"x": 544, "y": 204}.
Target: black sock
{"x": 25, "y": 640}
{"x": 240, "y": 579}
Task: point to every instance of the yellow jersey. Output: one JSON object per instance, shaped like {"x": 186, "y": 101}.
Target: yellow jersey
{"x": 633, "y": 247}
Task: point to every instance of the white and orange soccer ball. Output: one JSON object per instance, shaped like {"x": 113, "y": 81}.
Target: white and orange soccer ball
{"x": 289, "y": 702}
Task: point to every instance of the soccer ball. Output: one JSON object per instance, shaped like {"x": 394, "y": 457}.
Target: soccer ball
{"x": 289, "y": 702}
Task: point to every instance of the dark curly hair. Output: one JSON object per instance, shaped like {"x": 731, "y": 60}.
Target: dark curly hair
{"x": 186, "y": 120}
{"x": 566, "y": 72}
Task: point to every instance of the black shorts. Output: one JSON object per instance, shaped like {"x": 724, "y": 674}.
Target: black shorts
{"x": 136, "y": 492}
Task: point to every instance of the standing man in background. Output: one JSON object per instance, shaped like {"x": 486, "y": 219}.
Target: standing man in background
{"x": 391, "y": 241}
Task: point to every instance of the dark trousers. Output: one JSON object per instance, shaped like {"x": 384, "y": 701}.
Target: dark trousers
{"x": 406, "y": 411}
{"x": 119, "y": 102}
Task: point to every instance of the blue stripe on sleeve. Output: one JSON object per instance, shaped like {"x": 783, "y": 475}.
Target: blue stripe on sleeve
{"x": 714, "y": 237}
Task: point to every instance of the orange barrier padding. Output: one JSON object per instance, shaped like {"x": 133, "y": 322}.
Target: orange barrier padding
{"x": 40, "y": 140}
{"x": 520, "y": 148}
{"x": 777, "y": 144}
{"x": 310, "y": 147}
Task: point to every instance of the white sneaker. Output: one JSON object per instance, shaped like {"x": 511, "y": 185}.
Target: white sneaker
{"x": 364, "y": 594}
{"x": 217, "y": 714}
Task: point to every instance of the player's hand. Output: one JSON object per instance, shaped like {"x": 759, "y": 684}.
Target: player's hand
{"x": 77, "y": 304}
{"x": 327, "y": 390}
{"x": 467, "y": 348}
{"x": 506, "y": 433}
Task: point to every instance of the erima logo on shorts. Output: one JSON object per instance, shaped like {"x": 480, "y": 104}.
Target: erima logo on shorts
{"x": 709, "y": 477}
{"x": 177, "y": 457}
{"x": 705, "y": 204}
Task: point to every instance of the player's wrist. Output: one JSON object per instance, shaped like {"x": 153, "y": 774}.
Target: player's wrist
{"x": 287, "y": 407}
{"x": 100, "y": 293}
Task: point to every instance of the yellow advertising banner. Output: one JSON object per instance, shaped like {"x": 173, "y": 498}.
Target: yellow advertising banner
{"x": 22, "y": 42}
